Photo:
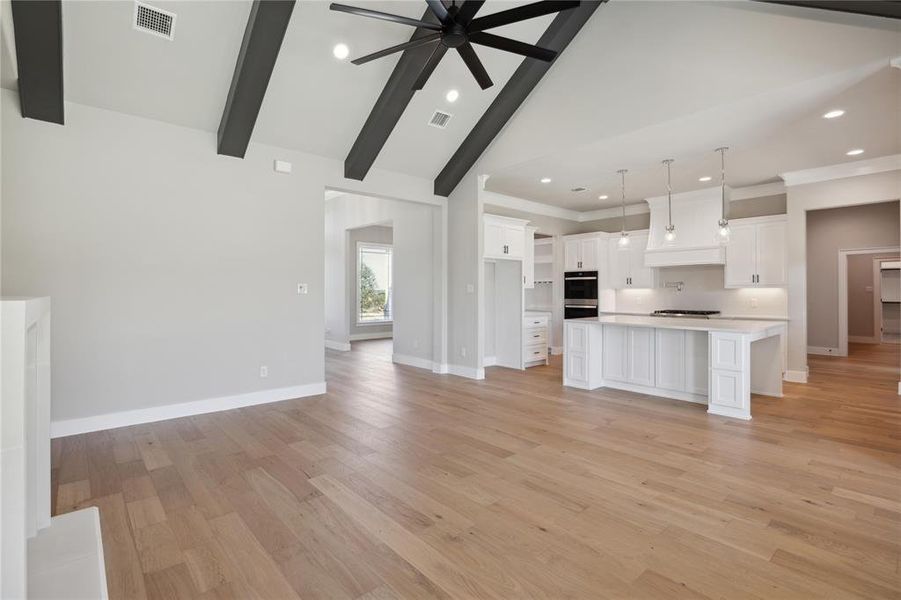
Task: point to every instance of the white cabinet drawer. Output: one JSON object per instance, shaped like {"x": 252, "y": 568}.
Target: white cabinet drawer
{"x": 534, "y": 352}
{"x": 534, "y": 335}
{"x": 534, "y": 322}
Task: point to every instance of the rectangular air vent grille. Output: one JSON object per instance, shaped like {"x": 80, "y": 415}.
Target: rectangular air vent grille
{"x": 155, "y": 21}
{"x": 440, "y": 119}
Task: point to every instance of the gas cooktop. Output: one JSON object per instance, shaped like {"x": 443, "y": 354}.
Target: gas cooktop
{"x": 678, "y": 312}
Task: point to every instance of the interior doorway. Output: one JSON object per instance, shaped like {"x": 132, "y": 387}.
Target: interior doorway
{"x": 869, "y": 291}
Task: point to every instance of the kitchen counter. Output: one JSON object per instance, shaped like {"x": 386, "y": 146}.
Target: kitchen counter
{"x": 604, "y": 313}
{"x": 717, "y": 362}
{"x": 685, "y": 323}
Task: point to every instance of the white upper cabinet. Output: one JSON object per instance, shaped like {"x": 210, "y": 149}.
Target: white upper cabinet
{"x": 504, "y": 237}
{"x": 581, "y": 252}
{"x": 528, "y": 261}
{"x": 627, "y": 266}
{"x": 755, "y": 255}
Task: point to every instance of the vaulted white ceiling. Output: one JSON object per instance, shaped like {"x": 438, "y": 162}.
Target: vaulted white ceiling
{"x": 642, "y": 81}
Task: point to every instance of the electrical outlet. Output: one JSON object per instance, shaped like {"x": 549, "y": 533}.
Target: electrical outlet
{"x": 264, "y": 371}
{"x": 470, "y": 288}
{"x": 753, "y": 302}
{"x": 463, "y": 351}
{"x": 302, "y": 288}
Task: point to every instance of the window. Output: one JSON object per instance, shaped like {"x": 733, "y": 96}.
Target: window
{"x": 374, "y": 285}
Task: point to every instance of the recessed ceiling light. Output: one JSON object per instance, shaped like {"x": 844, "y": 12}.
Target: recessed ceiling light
{"x": 603, "y": 197}
{"x": 341, "y": 51}
{"x": 854, "y": 152}
{"x": 834, "y": 114}
{"x": 545, "y": 180}
{"x": 705, "y": 178}
{"x": 452, "y": 95}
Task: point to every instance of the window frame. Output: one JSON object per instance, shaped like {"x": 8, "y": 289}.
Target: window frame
{"x": 357, "y": 300}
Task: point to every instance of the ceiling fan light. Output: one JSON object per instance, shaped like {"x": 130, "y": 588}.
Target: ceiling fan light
{"x": 340, "y": 51}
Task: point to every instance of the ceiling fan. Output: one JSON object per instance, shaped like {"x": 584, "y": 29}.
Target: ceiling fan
{"x": 458, "y": 28}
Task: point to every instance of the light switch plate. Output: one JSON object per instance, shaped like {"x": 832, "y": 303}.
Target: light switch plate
{"x": 302, "y": 288}
{"x": 282, "y": 166}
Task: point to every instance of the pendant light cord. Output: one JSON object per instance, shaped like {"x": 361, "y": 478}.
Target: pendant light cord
{"x": 722, "y": 151}
{"x": 622, "y": 173}
{"x": 669, "y": 193}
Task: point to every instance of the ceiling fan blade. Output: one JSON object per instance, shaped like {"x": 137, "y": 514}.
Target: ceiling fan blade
{"x": 521, "y": 13}
{"x": 365, "y": 12}
{"x": 475, "y": 65}
{"x": 438, "y": 9}
{"x": 429, "y": 67}
{"x": 468, "y": 11}
{"x": 515, "y": 46}
{"x": 420, "y": 41}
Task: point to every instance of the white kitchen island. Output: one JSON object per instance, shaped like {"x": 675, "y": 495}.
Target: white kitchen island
{"x": 717, "y": 362}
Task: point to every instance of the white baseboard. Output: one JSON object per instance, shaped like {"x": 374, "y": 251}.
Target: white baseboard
{"x": 376, "y": 335}
{"x": 823, "y": 351}
{"x": 336, "y": 345}
{"x": 795, "y": 376}
{"x": 440, "y": 368}
{"x": 468, "y": 372}
{"x": 489, "y": 361}
{"x": 860, "y": 339}
{"x": 184, "y": 409}
{"x": 556, "y": 350}
{"x": 412, "y": 361}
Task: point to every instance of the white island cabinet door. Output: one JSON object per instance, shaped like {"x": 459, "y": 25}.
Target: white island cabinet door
{"x": 696, "y": 362}
{"x": 771, "y": 254}
{"x": 615, "y": 355}
{"x": 741, "y": 257}
{"x": 575, "y": 355}
{"x": 641, "y": 356}
{"x": 671, "y": 359}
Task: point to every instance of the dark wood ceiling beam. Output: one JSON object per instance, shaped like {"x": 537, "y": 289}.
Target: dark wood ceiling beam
{"x": 559, "y": 34}
{"x": 390, "y": 106}
{"x": 263, "y": 37}
{"x": 889, "y": 9}
{"x": 39, "y": 58}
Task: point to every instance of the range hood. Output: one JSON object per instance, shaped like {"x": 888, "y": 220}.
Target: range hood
{"x": 695, "y": 215}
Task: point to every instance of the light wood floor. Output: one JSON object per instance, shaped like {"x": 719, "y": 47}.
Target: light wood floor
{"x": 403, "y": 484}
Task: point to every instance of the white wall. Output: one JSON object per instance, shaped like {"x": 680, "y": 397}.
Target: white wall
{"x": 465, "y": 291}
{"x": 847, "y": 191}
{"x": 415, "y": 246}
{"x": 378, "y": 234}
{"x": 172, "y": 270}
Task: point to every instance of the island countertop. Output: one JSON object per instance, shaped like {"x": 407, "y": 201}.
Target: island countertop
{"x": 722, "y": 325}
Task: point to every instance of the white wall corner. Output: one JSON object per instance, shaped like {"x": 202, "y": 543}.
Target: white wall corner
{"x": 467, "y": 372}
{"x": 336, "y": 345}
{"x": 796, "y": 376}
{"x": 68, "y": 427}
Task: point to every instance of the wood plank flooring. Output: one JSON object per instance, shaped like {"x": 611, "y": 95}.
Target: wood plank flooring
{"x": 403, "y": 484}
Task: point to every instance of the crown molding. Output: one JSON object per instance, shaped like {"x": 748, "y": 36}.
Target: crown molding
{"x": 613, "y": 212}
{"x": 758, "y": 191}
{"x": 856, "y": 168}
{"x": 529, "y": 206}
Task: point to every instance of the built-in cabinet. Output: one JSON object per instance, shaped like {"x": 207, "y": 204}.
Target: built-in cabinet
{"x": 535, "y": 330}
{"x": 756, "y": 253}
{"x": 528, "y": 259}
{"x": 504, "y": 237}
{"x": 627, "y": 264}
{"x": 581, "y": 253}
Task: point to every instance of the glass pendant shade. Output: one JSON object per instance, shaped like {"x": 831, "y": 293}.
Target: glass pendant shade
{"x": 670, "y": 235}
{"x": 623, "y": 240}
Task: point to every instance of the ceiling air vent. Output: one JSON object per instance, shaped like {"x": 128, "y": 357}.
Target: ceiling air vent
{"x": 154, "y": 21}
{"x": 440, "y": 119}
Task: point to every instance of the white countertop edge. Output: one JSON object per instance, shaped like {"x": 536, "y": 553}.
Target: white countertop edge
{"x": 729, "y": 317}
{"x": 722, "y": 325}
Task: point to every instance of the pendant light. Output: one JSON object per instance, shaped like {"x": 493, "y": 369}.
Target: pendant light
{"x": 623, "y": 236}
{"x": 723, "y": 230}
{"x": 670, "y": 235}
